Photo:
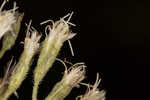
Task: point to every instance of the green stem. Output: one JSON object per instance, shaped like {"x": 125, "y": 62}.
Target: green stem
{"x": 34, "y": 95}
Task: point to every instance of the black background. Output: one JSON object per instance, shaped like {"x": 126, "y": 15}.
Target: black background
{"x": 113, "y": 39}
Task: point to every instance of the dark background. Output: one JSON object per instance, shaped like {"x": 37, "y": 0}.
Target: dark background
{"x": 113, "y": 39}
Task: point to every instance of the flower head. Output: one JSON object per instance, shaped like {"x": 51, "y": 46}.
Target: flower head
{"x": 74, "y": 75}
{"x": 94, "y": 93}
{"x": 7, "y": 19}
{"x": 32, "y": 40}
